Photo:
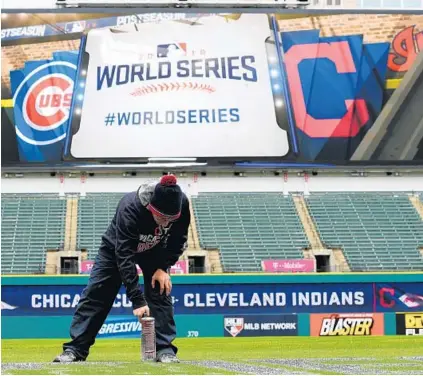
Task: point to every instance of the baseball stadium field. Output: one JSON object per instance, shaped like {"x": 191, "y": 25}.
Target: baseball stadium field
{"x": 226, "y": 356}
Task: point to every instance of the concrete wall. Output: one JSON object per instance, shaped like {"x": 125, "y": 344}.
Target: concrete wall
{"x": 220, "y": 183}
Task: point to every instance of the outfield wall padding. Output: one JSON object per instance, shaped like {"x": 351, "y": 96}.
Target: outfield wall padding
{"x": 228, "y": 305}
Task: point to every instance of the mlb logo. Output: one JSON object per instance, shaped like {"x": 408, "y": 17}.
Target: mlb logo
{"x": 75, "y": 27}
{"x": 171, "y": 50}
{"x": 233, "y": 325}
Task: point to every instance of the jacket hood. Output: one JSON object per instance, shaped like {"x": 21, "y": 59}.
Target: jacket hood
{"x": 145, "y": 192}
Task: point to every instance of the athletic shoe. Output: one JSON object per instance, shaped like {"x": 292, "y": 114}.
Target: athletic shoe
{"x": 167, "y": 358}
{"x": 67, "y": 357}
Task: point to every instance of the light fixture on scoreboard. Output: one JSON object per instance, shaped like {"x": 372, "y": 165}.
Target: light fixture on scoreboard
{"x": 183, "y": 3}
{"x": 172, "y": 159}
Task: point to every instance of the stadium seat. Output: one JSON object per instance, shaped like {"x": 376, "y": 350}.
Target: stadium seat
{"x": 376, "y": 231}
{"x": 31, "y": 224}
{"x": 95, "y": 212}
{"x": 249, "y": 227}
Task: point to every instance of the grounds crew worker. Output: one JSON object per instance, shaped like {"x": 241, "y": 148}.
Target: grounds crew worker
{"x": 149, "y": 228}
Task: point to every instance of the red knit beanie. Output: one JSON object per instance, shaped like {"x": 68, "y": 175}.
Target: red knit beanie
{"x": 167, "y": 198}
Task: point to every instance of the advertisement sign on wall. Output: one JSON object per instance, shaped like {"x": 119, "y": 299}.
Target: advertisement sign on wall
{"x": 399, "y": 297}
{"x": 181, "y": 267}
{"x": 260, "y": 325}
{"x": 86, "y": 266}
{"x": 224, "y": 305}
{"x": 115, "y": 326}
{"x": 410, "y": 324}
{"x": 346, "y": 324}
{"x": 289, "y": 266}
{"x": 120, "y": 327}
{"x": 229, "y": 299}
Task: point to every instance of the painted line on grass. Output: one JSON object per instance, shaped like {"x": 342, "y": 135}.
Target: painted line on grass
{"x": 343, "y": 368}
{"x": 346, "y": 366}
{"x": 241, "y": 368}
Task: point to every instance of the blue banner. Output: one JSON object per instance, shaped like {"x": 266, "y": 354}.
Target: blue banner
{"x": 317, "y": 67}
{"x": 399, "y": 297}
{"x": 260, "y": 325}
{"x": 204, "y": 299}
{"x": 120, "y": 327}
{"x": 42, "y": 96}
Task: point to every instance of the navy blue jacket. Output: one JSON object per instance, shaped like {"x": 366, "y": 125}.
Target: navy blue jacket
{"x": 133, "y": 232}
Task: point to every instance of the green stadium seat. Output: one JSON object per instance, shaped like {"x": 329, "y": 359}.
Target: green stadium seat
{"x": 31, "y": 224}
{"x": 95, "y": 211}
{"x": 376, "y": 231}
{"x": 249, "y": 227}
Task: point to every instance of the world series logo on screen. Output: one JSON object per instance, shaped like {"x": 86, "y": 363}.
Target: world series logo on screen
{"x": 160, "y": 86}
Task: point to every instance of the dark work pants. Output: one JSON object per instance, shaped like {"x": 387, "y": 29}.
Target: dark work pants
{"x": 98, "y": 297}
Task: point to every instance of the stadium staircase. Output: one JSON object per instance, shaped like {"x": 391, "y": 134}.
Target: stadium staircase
{"x": 339, "y": 262}
{"x": 415, "y": 200}
{"x": 310, "y": 230}
{"x": 376, "y": 231}
{"x": 193, "y": 241}
{"x": 418, "y": 205}
{"x": 249, "y": 227}
{"x": 71, "y": 224}
{"x": 51, "y": 263}
{"x": 212, "y": 256}
{"x": 53, "y": 257}
{"x": 94, "y": 213}
{"x": 30, "y": 225}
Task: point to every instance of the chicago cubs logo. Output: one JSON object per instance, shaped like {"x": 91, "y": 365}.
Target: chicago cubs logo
{"x": 42, "y": 103}
{"x": 47, "y": 103}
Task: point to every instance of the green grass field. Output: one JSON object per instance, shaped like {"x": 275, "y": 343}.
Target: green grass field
{"x": 271, "y": 355}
